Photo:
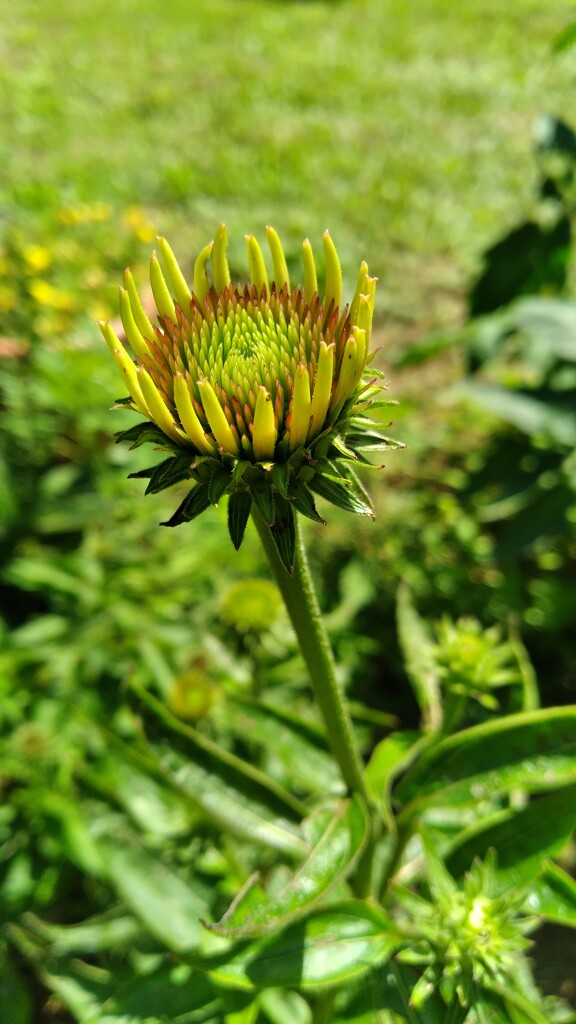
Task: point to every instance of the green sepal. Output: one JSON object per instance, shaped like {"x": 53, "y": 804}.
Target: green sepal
{"x": 340, "y": 495}
{"x": 240, "y": 468}
{"x": 169, "y": 472}
{"x": 360, "y": 490}
{"x": 239, "y": 505}
{"x": 146, "y": 433}
{"x": 281, "y": 477}
{"x": 219, "y": 484}
{"x": 304, "y": 502}
{"x": 196, "y": 501}
{"x": 124, "y": 403}
{"x": 343, "y": 450}
{"x": 373, "y": 442}
{"x": 264, "y": 501}
{"x": 283, "y": 531}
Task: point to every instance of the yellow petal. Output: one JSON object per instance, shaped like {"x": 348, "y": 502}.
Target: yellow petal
{"x": 157, "y": 408}
{"x": 264, "y": 433}
{"x": 349, "y": 375}
{"x": 176, "y": 279}
{"x": 322, "y": 388}
{"x": 281, "y": 277}
{"x": 365, "y": 323}
{"x": 201, "y": 282}
{"x": 142, "y": 322}
{"x": 333, "y": 273}
{"x": 217, "y": 420}
{"x": 162, "y": 297}
{"x": 310, "y": 278}
{"x": 189, "y": 417}
{"x": 137, "y": 342}
{"x": 300, "y": 408}
{"x": 256, "y": 264}
{"x": 360, "y": 290}
{"x": 125, "y": 365}
{"x": 219, "y": 261}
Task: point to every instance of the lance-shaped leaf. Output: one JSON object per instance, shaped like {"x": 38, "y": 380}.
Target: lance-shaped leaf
{"x": 419, "y": 660}
{"x": 522, "y": 838}
{"x": 283, "y": 531}
{"x": 299, "y": 745}
{"x": 167, "y": 906}
{"x": 330, "y": 947}
{"x": 340, "y": 495}
{"x": 534, "y": 751}
{"x": 196, "y": 501}
{"x": 231, "y": 792}
{"x": 342, "y": 832}
{"x": 239, "y": 505}
{"x": 553, "y": 895}
{"x": 168, "y": 473}
{"x": 146, "y": 433}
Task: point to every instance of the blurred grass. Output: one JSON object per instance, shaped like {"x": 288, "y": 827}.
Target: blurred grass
{"x": 403, "y": 127}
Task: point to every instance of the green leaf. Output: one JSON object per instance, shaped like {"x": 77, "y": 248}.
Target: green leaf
{"x": 370, "y": 441}
{"x": 340, "y": 495}
{"x": 300, "y": 746}
{"x": 553, "y": 418}
{"x": 565, "y": 38}
{"x": 152, "y": 807}
{"x": 521, "y": 1007}
{"x": 419, "y": 659}
{"x": 389, "y": 758}
{"x": 521, "y": 838}
{"x": 529, "y": 259}
{"x": 343, "y": 831}
{"x": 239, "y": 505}
{"x": 534, "y": 751}
{"x": 264, "y": 501}
{"x": 284, "y": 1007}
{"x": 196, "y": 501}
{"x": 553, "y": 896}
{"x": 281, "y": 476}
{"x": 219, "y": 484}
{"x": 231, "y": 792}
{"x": 330, "y": 947}
{"x": 304, "y": 503}
{"x": 108, "y": 931}
{"x": 145, "y": 433}
{"x": 171, "y": 993}
{"x": 169, "y": 472}
{"x": 284, "y": 532}
{"x": 16, "y": 1000}
{"x": 384, "y": 998}
{"x": 167, "y": 905}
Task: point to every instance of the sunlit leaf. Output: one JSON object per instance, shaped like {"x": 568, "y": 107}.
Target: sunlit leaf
{"x": 343, "y": 831}
{"x": 329, "y": 947}
{"x": 534, "y": 751}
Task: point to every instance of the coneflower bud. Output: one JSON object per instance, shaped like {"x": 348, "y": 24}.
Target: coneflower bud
{"x": 258, "y": 391}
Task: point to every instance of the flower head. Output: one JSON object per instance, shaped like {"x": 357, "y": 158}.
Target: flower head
{"x": 258, "y": 391}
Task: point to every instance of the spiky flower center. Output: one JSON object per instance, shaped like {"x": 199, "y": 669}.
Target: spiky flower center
{"x": 252, "y": 373}
{"x": 240, "y": 342}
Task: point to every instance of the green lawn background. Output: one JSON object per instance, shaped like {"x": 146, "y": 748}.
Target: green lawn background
{"x": 403, "y": 126}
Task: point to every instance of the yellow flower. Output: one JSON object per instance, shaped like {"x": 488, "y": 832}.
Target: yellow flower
{"x": 259, "y": 390}
{"x": 135, "y": 219}
{"x": 45, "y": 294}
{"x": 37, "y": 258}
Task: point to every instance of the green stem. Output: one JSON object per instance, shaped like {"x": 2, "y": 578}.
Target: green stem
{"x": 302, "y": 605}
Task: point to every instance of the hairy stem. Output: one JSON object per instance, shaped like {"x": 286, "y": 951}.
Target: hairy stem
{"x": 302, "y": 605}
